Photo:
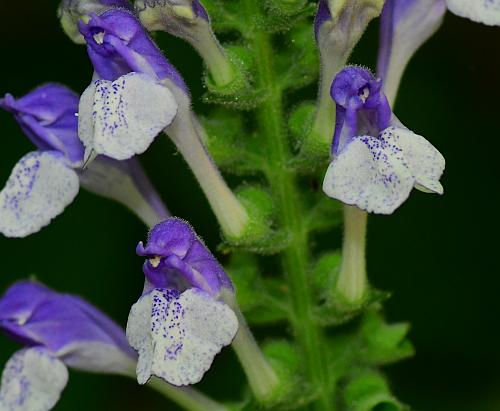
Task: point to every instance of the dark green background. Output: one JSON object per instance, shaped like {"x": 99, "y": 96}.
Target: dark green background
{"x": 438, "y": 254}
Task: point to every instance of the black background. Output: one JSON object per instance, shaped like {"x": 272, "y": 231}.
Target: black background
{"x": 438, "y": 254}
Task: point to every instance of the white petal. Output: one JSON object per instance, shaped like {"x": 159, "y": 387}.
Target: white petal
{"x": 425, "y": 161}
{"x": 39, "y": 188}
{"x": 187, "y": 331}
{"x": 139, "y": 336}
{"x": 370, "y": 173}
{"x": 86, "y": 118}
{"x": 481, "y": 11}
{"x": 33, "y": 380}
{"x": 121, "y": 118}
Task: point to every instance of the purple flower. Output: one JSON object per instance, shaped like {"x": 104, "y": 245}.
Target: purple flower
{"x": 70, "y": 12}
{"x": 118, "y": 44}
{"x": 405, "y": 26}
{"x": 175, "y": 254}
{"x": 137, "y": 91}
{"x": 45, "y": 181}
{"x": 60, "y": 330}
{"x": 481, "y": 11}
{"x": 47, "y": 116}
{"x": 179, "y": 325}
{"x": 356, "y": 92}
{"x": 376, "y": 160}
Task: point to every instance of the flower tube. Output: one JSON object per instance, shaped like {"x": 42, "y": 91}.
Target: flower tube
{"x": 404, "y": 26}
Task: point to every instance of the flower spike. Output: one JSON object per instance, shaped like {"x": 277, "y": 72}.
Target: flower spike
{"x": 376, "y": 161}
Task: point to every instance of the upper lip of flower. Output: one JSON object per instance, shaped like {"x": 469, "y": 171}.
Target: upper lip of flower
{"x": 8, "y": 103}
{"x": 362, "y": 108}
{"x": 153, "y": 251}
{"x": 98, "y": 24}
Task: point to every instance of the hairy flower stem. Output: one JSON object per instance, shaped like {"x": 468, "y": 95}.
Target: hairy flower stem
{"x": 231, "y": 215}
{"x": 214, "y": 56}
{"x": 187, "y": 397}
{"x": 351, "y": 284}
{"x": 261, "y": 377}
{"x": 295, "y": 258}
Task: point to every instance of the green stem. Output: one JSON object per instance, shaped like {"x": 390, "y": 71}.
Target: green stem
{"x": 296, "y": 258}
{"x": 351, "y": 284}
{"x": 187, "y": 397}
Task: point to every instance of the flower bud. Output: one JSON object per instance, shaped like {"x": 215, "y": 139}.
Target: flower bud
{"x": 189, "y": 20}
{"x": 178, "y": 17}
{"x": 71, "y": 11}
